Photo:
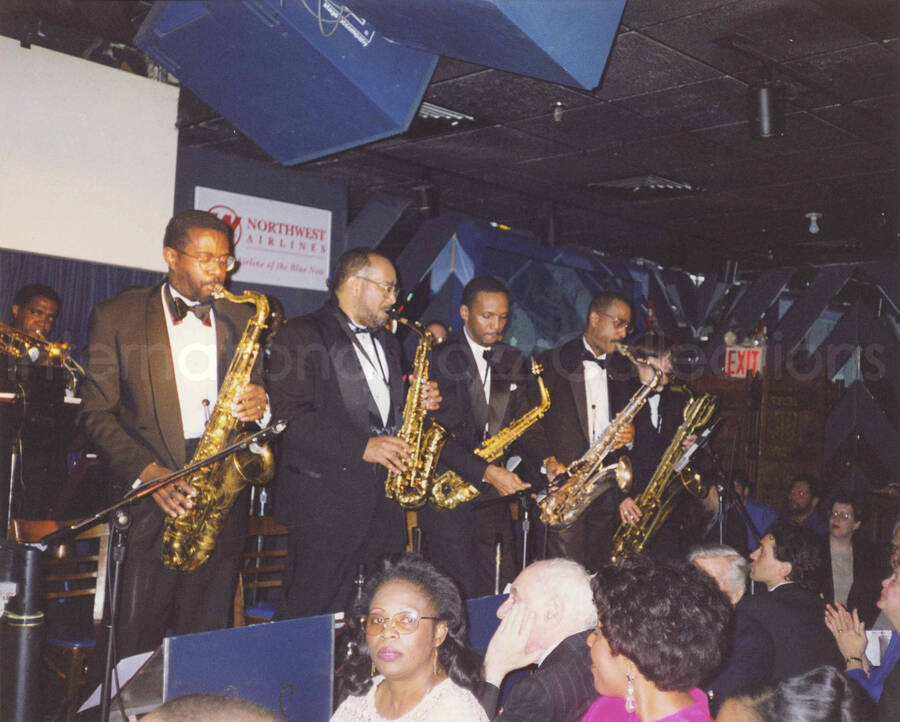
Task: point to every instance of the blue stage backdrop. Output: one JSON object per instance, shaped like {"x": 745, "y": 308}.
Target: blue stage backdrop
{"x": 550, "y": 288}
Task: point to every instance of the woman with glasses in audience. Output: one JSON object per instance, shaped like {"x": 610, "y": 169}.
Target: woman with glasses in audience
{"x": 411, "y": 660}
{"x": 661, "y": 630}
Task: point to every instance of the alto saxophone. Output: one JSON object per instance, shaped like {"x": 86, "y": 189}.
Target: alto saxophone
{"x": 450, "y": 489}
{"x": 585, "y": 478}
{"x": 410, "y": 488}
{"x": 658, "y": 499}
{"x": 189, "y": 539}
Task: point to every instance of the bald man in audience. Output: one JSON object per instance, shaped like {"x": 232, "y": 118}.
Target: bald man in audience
{"x": 546, "y": 620}
{"x": 750, "y": 646}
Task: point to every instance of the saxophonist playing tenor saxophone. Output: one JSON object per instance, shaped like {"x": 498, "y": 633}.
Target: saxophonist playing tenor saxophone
{"x": 154, "y": 362}
{"x": 655, "y": 424}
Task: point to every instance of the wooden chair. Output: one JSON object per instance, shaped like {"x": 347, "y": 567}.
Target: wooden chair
{"x": 68, "y": 576}
{"x": 262, "y": 568}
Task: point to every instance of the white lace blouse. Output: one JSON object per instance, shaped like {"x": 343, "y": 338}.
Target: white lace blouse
{"x": 445, "y": 702}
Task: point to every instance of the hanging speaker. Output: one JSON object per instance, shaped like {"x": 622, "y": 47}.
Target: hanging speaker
{"x": 300, "y": 79}
{"x": 561, "y": 41}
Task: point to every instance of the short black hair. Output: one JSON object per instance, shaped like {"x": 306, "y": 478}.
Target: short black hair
{"x": 669, "y": 618}
{"x": 455, "y": 655}
{"x": 803, "y": 549}
{"x": 652, "y": 343}
{"x": 482, "y": 284}
{"x": 810, "y": 480}
{"x": 212, "y": 708}
{"x": 601, "y": 302}
{"x": 842, "y": 496}
{"x": 176, "y": 235}
{"x": 35, "y": 290}
{"x": 349, "y": 264}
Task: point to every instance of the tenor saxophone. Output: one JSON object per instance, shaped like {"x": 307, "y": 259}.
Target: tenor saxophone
{"x": 658, "y": 499}
{"x": 450, "y": 489}
{"x": 586, "y": 478}
{"x": 189, "y": 539}
{"x": 410, "y": 488}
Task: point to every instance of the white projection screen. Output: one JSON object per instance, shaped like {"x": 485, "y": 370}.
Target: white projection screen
{"x": 87, "y": 158}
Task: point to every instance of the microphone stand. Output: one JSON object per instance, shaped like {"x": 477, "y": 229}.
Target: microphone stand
{"x": 119, "y": 538}
{"x": 728, "y": 494}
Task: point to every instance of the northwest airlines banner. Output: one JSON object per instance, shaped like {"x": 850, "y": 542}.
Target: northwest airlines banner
{"x": 277, "y": 244}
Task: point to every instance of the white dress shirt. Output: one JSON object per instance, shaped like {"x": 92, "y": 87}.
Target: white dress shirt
{"x": 484, "y": 370}
{"x": 596, "y": 394}
{"x": 375, "y": 367}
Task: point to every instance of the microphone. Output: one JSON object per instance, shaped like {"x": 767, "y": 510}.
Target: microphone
{"x": 701, "y": 441}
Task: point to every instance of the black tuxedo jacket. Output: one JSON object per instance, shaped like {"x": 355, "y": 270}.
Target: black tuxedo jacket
{"x": 560, "y": 690}
{"x": 747, "y": 665}
{"x": 464, "y": 411}
{"x": 867, "y": 576}
{"x": 650, "y": 442}
{"x": 317, "y": 383}
{"x": 795, "y": 619}
{"x": 131, "y": 411}
{"x": 566, "y": 422}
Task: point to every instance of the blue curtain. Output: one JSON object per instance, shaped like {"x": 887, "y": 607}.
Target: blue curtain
{"x": 80, "y": 284}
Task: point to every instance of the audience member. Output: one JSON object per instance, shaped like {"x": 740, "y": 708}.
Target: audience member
{"x": 789, "y": 562}
{"x": 661, "y": 630}
{"x": 850, "y": 634}
{"x": 822, "y": 694}
{"x": 854, "y": 575}
{"x": 761, "y": 515}
{"x": 882, "y": 622}
{"x": 803, "y": 498}
{"x": 210, "y": 708}
{"x": 411, "y": 659}
{"x": 546, "y": 619}
{"x": 746, "y": 665}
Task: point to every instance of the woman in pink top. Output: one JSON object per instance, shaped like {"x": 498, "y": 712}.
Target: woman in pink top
{"x": 662, "y": 630}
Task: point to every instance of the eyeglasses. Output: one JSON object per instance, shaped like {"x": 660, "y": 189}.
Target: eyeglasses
{"x": 618, "y": 322}
{"x": 206, "y": 260}
{"x": 842, "y": 515}
{"x": 391, "y": 289}
{"x": 404, "y": 622}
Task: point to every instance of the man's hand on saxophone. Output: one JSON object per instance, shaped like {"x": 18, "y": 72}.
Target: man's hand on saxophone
{"x": 431, "y": 396}
{"x": 174, "y": 499}
{"x": 250, "y": 404}
{"x": 624, "y": 435}
{"x": 389, "y": 451}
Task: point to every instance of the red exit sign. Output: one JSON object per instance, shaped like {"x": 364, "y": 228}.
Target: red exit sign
{"x": 743, "y": 361}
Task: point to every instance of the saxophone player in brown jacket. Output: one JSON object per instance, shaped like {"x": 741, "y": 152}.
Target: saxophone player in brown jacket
{"x": 154, "y": 356}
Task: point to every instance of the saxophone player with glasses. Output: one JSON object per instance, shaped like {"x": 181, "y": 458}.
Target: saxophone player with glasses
{"x": 585, "y": 398}
{"x": 485, "y": 385}
{"x": 154, "y": 361}
{"x": 335, "y": 375}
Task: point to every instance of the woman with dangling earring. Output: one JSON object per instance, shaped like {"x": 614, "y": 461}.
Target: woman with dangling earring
{"x": 661, "y": 630}
{"x": 411, "y": 660}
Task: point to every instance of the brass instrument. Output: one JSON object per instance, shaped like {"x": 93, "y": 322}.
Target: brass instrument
{"x": 585, "y": 478}
{"x": 19, "y": 344}
{"x": 410, "y": 489}
{"x": 189, "y": 539}
{"x": 658, "y": 499}
{"x": 449, "y": 489}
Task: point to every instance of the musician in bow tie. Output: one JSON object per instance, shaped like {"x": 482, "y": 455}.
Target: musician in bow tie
{"x": 585, "y": 396}
{"x": 655, "y": 425}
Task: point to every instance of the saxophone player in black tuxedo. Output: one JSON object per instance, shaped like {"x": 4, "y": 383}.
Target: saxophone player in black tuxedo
{"x": 484, "y": 384}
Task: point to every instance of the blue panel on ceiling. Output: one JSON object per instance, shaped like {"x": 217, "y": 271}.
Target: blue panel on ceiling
{"x": 300, "y": 89}
{"x": 563, "y": 41}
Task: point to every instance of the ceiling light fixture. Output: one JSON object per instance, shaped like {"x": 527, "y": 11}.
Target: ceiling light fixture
{"x": 766, "y": 108}
{"x": 558, "y": 109}
{"x": 814, "y": 219}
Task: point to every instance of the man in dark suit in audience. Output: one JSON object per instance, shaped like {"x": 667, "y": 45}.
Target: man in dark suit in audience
{"x": 789, "y": 562}
{"x": 852, "y": 574}
{"x": 584, "y": 398}
{"x": 750, "y": 647}
{"x": 546, "y": 620}
{"x": 484, "y": 386}
{"x": 335, "y": 375}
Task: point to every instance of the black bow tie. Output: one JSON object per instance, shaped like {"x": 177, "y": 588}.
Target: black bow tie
{"x": 493, "y": 355}
{"x": 588, "y": 356}
{"x": 364, "y": 329}
{"x": 200, "y": 310}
